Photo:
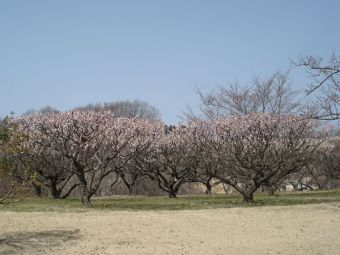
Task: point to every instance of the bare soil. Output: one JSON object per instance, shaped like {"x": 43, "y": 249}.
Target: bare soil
{"x": 303, "y": 229}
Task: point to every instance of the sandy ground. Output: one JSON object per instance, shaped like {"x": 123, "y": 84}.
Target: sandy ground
{"x": 308, "y": 229}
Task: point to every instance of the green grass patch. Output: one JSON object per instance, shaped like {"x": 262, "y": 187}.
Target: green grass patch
{"x": 197, "y": 202}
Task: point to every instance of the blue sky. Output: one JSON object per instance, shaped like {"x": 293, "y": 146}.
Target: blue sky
{"x": 71, "y": 53}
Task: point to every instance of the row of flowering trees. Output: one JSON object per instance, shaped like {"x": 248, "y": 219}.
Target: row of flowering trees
{"x": 82, "y": 148}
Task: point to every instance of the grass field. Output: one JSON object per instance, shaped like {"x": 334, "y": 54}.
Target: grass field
{"x": 165, "y": 203}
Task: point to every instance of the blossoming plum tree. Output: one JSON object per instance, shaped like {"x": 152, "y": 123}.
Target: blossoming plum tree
{"x": 168, "y": 161}
{"x": 130, "y": 169}
{"x": 248, "y": 151}
{"x": 95, "y": 143}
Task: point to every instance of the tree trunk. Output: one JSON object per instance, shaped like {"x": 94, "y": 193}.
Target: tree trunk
{"x": 248, "y": 198}
{"x": 172, "y": 194}
{"x": 174, "y": 188}
{"x": 86, "y": 195}
{"x": 130, "y": 188}
{"x": 37, "y": 189}
{"x": 85, "y": 199}
{"x": 55, "y": 193}
{"x": 208, "y": 188}
{"x": 69, "y": 191}
{"x": 271, "y": 191}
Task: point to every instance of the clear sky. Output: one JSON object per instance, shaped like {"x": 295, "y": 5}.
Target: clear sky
{"x": 71, "y": 53}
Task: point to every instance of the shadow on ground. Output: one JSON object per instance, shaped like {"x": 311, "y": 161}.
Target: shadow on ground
{"x": 35, "y": 242}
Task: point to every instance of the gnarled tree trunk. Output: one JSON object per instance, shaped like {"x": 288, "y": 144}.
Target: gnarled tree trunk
{"x": 248, "y": 198}
{"x": 85, "y": 198}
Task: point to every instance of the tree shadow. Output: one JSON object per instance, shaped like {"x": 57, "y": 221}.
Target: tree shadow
{"x": 35, "y": 242}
